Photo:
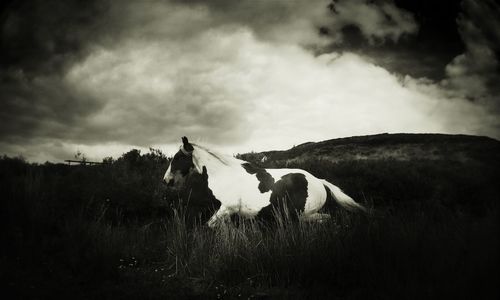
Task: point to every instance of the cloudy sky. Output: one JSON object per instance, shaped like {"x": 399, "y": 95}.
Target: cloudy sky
{"x": 102, "y": 77}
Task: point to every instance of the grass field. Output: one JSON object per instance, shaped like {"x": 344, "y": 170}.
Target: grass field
{"x": 113, "y": 231}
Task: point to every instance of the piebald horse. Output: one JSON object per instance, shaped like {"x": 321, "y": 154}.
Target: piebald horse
{"x": 251, "y": 191}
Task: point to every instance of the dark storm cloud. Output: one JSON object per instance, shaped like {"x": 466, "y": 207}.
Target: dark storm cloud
{"x": 456, "y": 45}
{"x": 377, "y": 21}
{"x": 424, "y": 52}
{"x": 471, "y": 78}
{"x": 476, "y": 72}
{"x": 313, "y": 23}
{"x": 420, "y": 37}
{"x": 278, "y": 20}
{"x": 42, "y": 107}
{"x": 39, "y": 41}
{"x": 45, "y": 36}
{"x": 485, "y": 16}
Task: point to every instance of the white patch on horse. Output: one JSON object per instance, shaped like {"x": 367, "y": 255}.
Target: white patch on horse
{"x": 231, "y": 185}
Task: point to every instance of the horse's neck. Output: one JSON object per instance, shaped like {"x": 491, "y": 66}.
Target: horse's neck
{"x": 218, "y": 170}
{"x": 225, "y": 181}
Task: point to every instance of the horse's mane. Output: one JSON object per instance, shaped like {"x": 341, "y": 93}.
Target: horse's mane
{"x": 221, "y": 158}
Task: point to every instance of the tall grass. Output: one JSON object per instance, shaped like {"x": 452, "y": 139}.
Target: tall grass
{"x": 397, "y": 256}
{"x": 351, "y": 256}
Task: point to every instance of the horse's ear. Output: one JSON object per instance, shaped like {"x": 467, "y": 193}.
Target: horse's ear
{"x": 186, "y": 145}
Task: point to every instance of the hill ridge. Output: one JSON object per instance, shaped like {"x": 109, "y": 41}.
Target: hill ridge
{"x": 400, "y": 146}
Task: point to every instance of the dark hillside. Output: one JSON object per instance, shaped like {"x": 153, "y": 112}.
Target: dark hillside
{"x": 390, "y": 146}
{"x": 457, "y": 171}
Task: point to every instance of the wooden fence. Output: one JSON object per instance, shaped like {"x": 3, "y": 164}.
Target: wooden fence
{"x": 82, "y": 162}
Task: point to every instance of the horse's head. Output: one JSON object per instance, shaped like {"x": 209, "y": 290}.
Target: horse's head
{"x": 183, "y": 164}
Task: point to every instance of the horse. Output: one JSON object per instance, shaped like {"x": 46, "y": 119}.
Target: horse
{"x": 251, "y": 191}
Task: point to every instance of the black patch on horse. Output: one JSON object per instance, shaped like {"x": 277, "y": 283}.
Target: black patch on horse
{"x": 196, "y": 200}
{"x": 266, "y": 181}
{"x": 181, "y": 162}
{"x": 288, "y": 197}
{"x": 330, "y": 203}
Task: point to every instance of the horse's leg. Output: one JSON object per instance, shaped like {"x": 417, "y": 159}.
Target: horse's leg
{"x": 221, "y": 215}
{"x": 316, "y": 217}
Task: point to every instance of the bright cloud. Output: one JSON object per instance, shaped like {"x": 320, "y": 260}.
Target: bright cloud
{"x": 234, "y": 90}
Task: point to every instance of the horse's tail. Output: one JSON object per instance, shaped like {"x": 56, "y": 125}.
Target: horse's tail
{"x": 342, "y": 199}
